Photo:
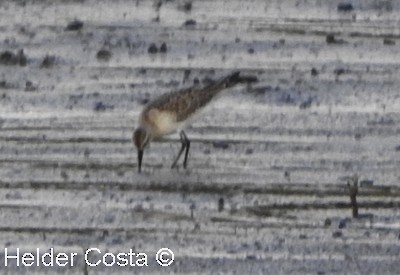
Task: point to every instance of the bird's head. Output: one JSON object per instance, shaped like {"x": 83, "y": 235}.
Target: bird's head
{"x": 141, "y": 138}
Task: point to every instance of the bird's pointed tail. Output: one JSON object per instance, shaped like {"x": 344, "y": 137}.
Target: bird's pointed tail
{"x": 226, "y": 82}
{"x": 236, "y": 78}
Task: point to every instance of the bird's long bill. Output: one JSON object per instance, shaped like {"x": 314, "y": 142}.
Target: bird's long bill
{"x": 140, "y": 157}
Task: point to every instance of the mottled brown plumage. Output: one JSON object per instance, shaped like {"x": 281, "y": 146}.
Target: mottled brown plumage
{"x": 187, "y": 101}
{"x": 168, "y": 113}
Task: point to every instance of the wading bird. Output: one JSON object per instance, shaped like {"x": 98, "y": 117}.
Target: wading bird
{"x": 170, "y": 113}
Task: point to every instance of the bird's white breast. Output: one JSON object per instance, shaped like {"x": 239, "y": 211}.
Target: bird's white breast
{"x": 162, "y": 122}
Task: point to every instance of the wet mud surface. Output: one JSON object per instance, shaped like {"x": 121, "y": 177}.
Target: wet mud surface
{"x": 264, "y": 192}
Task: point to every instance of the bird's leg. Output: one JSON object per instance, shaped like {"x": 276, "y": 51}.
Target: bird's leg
{"x": 187, "y": 141}
{"x": 185, "y": 145}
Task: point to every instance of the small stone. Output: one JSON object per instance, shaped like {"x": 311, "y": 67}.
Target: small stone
{"x": 75, "y": 25}
{"x": 257, "y": 245}
{"x": 250, "y": 50}
{"x": 345, "y": 7}
{"x": 327, "y": 222}
{"x": 342, "y": 224}
{"x": 221, "y": 204}
{"x": 152, "y": 49}
{"x": 337, "y": 234}
{"x": 330, "y": 38}
{"x": 64, "y": 175}
{"x": 100, "y": 106}
{"x": 103, "y": 55}
{"x": 158, "y": 5}
{"x": 7, "y": 58}
{"x": 186, "y": 73}
{"x": 187, "y": 6}
{"x": 357, "y": 136}
{"x": 314, "y": 72}
{"x": 48, "y": 61}
{"x": 163, "y": 48}
{"x": 29, "y": 87}
{"x": 21, "y": 57}
{"x": 189, "y": 23}
{"x": 389, "y": 42}
{"x": 220, "y": 144}
{"x": 339, "y": 71}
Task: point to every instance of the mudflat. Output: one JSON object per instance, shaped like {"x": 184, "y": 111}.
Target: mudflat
{"x": 264, "y": 192}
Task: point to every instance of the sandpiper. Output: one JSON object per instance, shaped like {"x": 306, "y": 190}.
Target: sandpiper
{"x": 170, "y": 112}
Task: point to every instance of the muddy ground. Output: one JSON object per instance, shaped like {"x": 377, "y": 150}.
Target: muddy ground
{"x": 264, "y": 192}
